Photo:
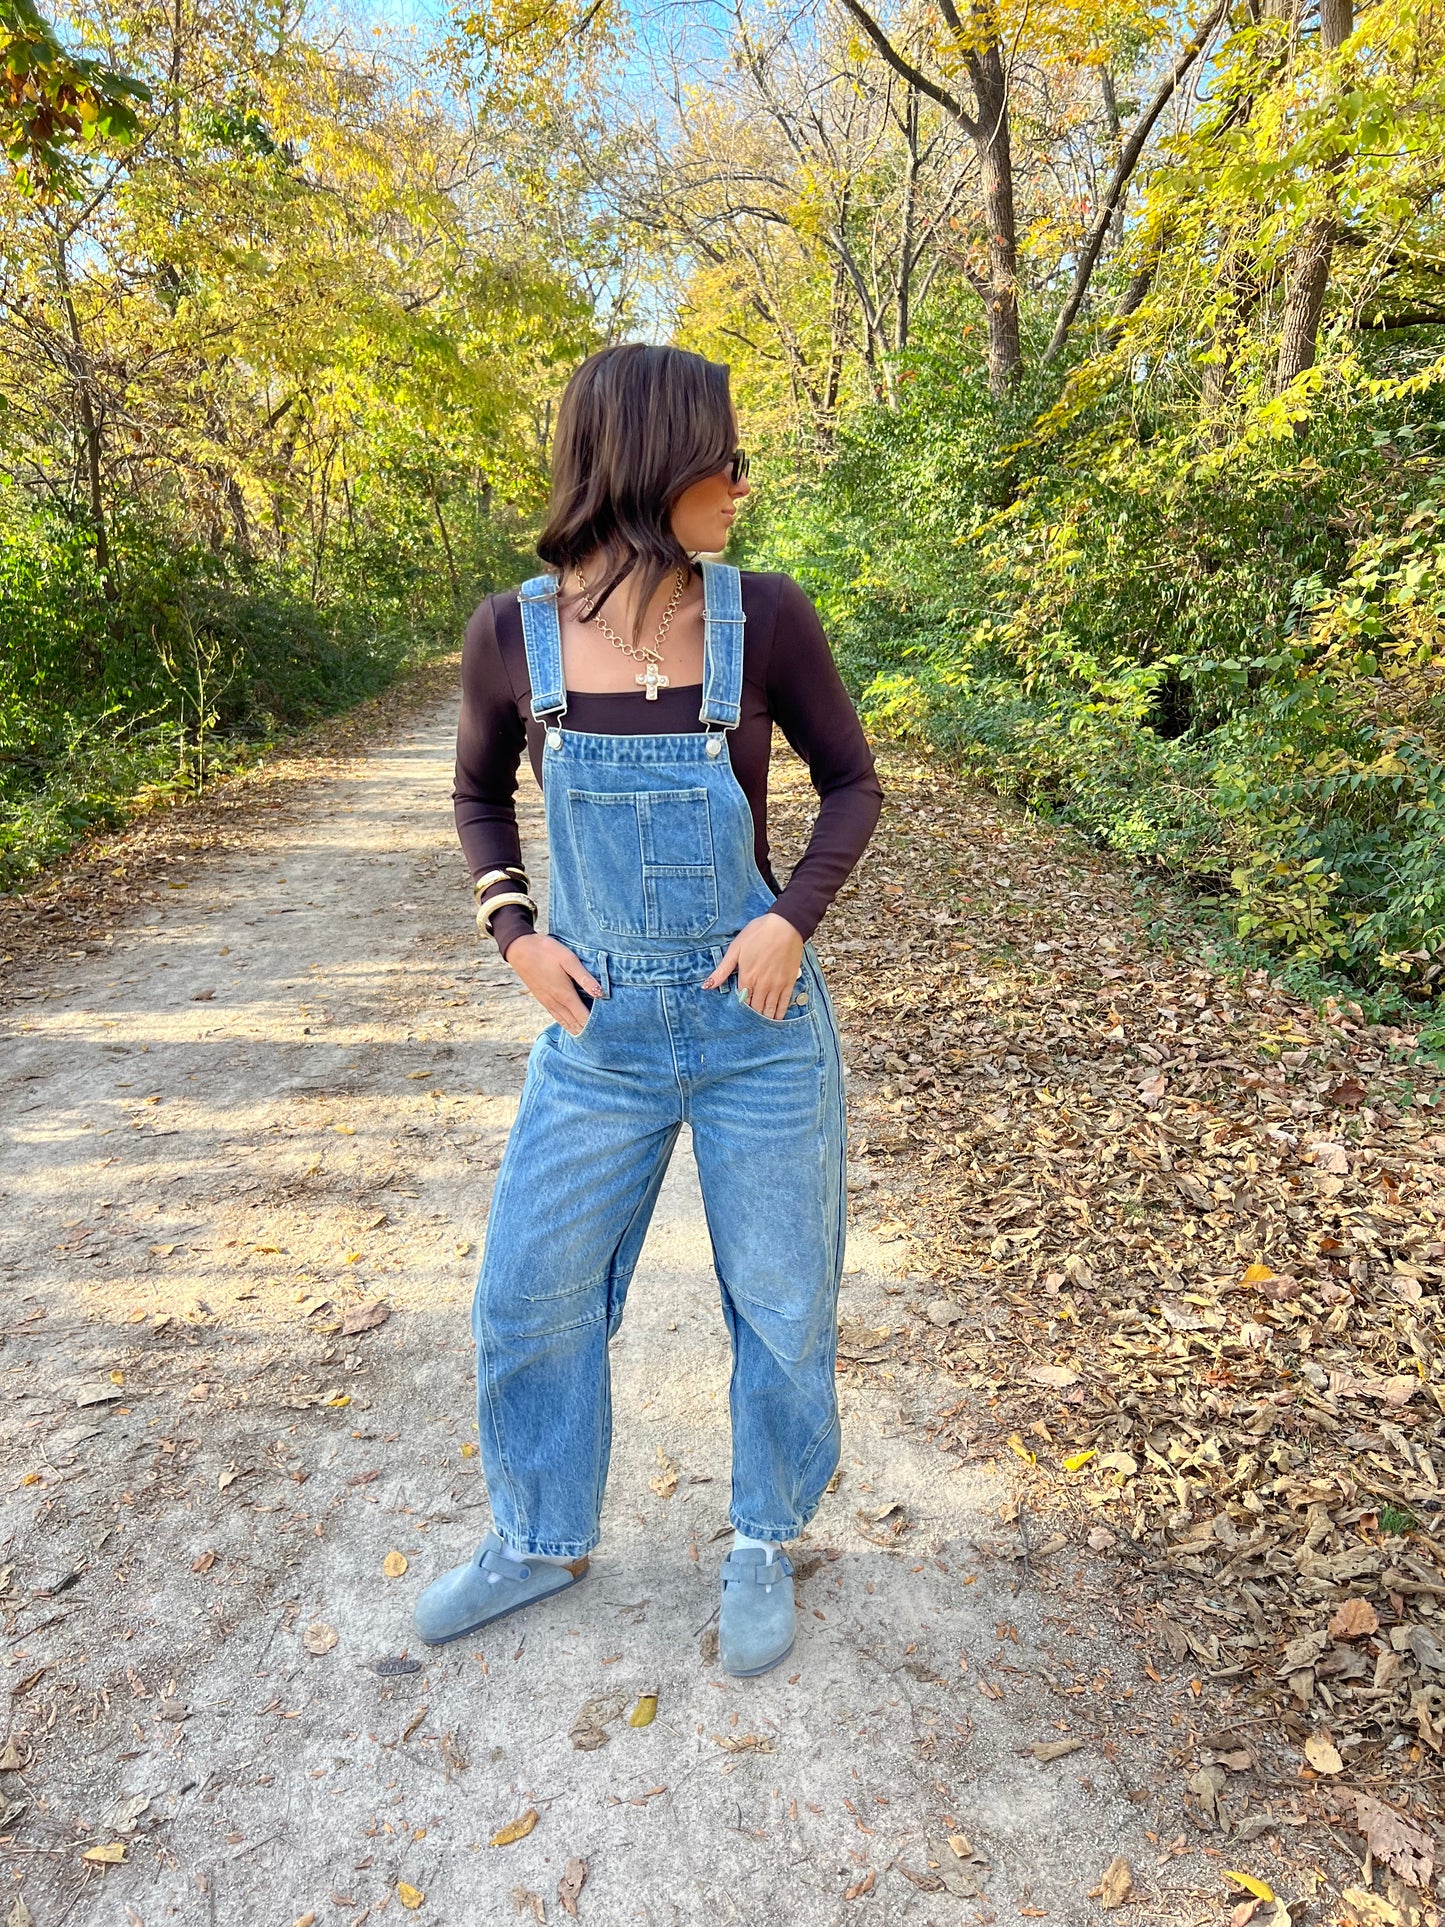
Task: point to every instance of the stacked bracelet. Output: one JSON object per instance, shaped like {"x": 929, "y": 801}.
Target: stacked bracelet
{"x": 498, "y": 876}
{"x": 486, "y": 911}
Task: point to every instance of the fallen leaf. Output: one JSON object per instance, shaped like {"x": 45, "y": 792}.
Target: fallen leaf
{"x": 1247, "y": 1883}
{"x": 1057, "y": 1377}
{"x": 645, "y": 1711}
{"x": 1354, "y": 1619}
{"x": 305, "y": 1920}
{"x": 1047, "y": 1750}
{"x": 860, "y": 1887}
{"x": 203, "y": 1562}
{"x": 524, "y": 1901}
{"x": 1116, "y": 1885}
{"x": 411, "y": 1897}
{"x": 366, "y": 1318}
{"x": 394, "y": 1565}
{"x": 110, "y": 1855}
{"x": 515, "y": 1830}
{"x": 125, "y": 1814}
{"x": 665, "y": 1483}
{"x": 319, "y": 1638}
{"x": 574, "y": 1879}
{"x": 1394, "y": 1840}
{"x": 14, "y": 1759}
{"x": 20, "y": 1915}
{"x": 453, "y": 1758}
{"x": 97, "y": 1395}
{"x": 1257, "y": 1274}
{"x": 954, "y": 1876}
{"x": 1321, "y": 1753}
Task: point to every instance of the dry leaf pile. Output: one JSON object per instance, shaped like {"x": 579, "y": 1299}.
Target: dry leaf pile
{"x": 1186, "y": 1247}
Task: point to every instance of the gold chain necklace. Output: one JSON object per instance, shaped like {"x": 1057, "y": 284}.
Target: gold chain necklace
{"x": 646, "y": 652}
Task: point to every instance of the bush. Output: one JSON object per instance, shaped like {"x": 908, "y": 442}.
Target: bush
{"x": 1228, "y": 662}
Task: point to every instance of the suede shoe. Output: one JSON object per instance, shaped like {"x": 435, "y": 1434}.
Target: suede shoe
{"x": 491, "y": 1585}
{"x": 755, "y": 1627}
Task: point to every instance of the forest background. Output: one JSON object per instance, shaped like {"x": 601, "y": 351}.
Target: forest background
{"x": 1092, "y": 359}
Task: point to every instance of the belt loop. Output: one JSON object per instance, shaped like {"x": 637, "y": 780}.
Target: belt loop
{"x": 600, "y": 973}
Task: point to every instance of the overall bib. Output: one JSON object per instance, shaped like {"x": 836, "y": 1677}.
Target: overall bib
{"x": 652, "y": 875}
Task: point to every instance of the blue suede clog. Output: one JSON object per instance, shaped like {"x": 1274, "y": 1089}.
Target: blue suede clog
{"x": 755, "y": 1628}
{"x": 488, "y": 1587}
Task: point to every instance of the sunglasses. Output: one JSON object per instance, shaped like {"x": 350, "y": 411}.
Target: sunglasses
{"x": 738, "y": 466}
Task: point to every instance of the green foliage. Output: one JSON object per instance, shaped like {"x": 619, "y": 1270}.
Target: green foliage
{"x": 52, "y": 100}
{"x": 1235, "y": 674}
{"x": 201, "y": 661}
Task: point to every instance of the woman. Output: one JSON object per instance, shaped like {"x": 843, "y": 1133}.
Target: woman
{"x": 679, "y": 977}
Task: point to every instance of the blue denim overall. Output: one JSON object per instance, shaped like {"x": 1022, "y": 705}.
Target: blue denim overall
{"x": 652, "y": 875}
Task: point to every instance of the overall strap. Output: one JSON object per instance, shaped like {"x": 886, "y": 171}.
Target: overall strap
{"x": 722, "y": 672}
{"x": 543, "y": 636}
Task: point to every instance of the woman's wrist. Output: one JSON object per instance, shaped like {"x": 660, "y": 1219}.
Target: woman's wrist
{"x": 510, "y": 923}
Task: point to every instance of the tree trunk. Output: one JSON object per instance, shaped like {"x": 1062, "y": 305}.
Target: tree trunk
{"x": 995, "y": 161}
{"x": 91, "y": 425}
{"x": 1309, "y": 278}
{"x": 1310, "y": 265}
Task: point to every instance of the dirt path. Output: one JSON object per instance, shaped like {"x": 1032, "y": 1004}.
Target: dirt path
{"x": 275, "y": 1103}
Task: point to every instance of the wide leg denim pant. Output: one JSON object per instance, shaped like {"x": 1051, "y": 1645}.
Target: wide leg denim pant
{"x": 598, "y": 1119}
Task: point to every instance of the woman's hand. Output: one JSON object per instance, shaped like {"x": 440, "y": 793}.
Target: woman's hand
{"x": 767, "y": 955}
{"x": 551, "y": 972}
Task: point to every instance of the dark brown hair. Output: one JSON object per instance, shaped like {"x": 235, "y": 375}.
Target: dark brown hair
{"x": 637, "y": 425}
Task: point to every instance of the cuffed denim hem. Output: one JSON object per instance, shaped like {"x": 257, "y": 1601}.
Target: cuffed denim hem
{"x": 548, "y": 1549}
{"x": 775, "y": 1535}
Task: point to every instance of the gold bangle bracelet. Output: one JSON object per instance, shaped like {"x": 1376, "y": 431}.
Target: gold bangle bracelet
{"x": 498, "y": 876}
{"x": 486, "y": 911}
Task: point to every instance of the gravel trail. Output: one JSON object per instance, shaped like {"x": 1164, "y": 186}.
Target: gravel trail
{"x": 267, "y": 1118}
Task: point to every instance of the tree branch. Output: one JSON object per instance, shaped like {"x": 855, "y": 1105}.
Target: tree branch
{"x": 907, "y": 71}
{"x": 1128, "y": 161}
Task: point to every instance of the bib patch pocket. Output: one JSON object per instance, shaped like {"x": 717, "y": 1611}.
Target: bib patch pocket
{"x": 647, "y": 860}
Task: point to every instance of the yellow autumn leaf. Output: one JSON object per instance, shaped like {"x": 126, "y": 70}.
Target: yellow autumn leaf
{"x": 337, "y": 1399}
{"x": 1257, "y": 1274}
{"x": 470, "y": 1451}
{"x": 344, "y": 1130}
{"x": 1259, "y": 1889}
{"x": 394, "y": 1565}
{"x": 1017, "y": 1446}
{"x": 515, "y": 1829}
{"x": 645, "y": 1711}
{"x": 1323, "y": 1755}
{"x": 1076, "y": 1461}
{"x": 117, "y": 1378}
{"x": 409, "y": 1896}
{"x": 414, "y": 1076}
{"x": 110, "y": 1855}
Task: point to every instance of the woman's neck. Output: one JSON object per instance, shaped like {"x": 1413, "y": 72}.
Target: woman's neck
{"x": 622, "y": 603}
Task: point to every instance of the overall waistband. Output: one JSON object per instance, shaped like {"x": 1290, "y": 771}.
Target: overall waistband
{"x": 611, "y": 967}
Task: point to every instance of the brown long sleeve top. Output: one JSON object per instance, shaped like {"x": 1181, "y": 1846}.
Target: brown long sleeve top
{"x": 789, "y": 678}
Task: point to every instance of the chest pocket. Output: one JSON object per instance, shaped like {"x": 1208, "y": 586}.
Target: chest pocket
{"x": 647, "y": 860}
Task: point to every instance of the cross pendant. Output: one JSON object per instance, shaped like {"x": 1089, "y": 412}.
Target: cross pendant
{"x": 653, "y": 681}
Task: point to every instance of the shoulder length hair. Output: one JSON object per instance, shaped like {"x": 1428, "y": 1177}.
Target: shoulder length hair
{"x": 637, "y": 425}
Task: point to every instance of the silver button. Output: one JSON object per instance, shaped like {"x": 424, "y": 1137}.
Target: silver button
{"x": 801, "y": 998}
{"x": 554, "y": 739}
{"x": 714, "y": 746}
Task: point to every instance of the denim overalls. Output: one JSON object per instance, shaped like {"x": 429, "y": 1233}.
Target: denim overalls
{"x": 652, "y": 875}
